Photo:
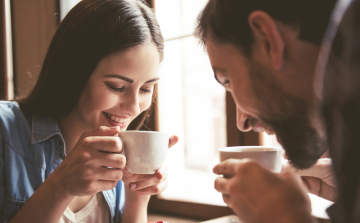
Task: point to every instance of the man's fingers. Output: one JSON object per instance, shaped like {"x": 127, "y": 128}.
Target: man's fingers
{"x": 221, "y": 185}
{"x": 173, "y": 140}
{"x": 228, "y": 167}
{"x": 322, "y": 170}
{"x": 227, "y": 200}
{"x": 102, "y": 131}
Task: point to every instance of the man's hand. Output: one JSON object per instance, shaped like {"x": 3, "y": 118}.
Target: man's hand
{"x": 258, "y": 195}
{"x": 319, "y": 179}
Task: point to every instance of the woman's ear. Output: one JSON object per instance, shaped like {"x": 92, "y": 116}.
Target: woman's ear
{"x": 267, "y": 36}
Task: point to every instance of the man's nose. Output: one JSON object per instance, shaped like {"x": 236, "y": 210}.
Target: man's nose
{"x": 130, "y": 103}
{"x": 242, "y": 121}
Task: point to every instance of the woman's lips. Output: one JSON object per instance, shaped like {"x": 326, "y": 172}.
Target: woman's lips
{"x": 116, "y": 120}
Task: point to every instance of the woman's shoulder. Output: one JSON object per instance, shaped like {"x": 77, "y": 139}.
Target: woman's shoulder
{"x": 6, "y": 105}
{"x": 9, "y": 110}
{"x": 12, "y": 119}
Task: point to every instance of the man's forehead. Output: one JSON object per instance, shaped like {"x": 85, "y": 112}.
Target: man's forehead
{"x": 222, "y": 53}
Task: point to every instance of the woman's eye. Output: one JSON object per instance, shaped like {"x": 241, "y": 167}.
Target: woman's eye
{"x": 146, "y": 90}
{"x": 122, "y": 89}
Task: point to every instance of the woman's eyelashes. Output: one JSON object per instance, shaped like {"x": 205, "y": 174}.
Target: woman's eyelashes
{"x": 115, "y": 89}
{"x": 122, "y": 89}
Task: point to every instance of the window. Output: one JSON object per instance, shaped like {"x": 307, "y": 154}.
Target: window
{"x": 65, "y": 6}
{"x": 191, "y": 105}
{"x": 195, "y": 107}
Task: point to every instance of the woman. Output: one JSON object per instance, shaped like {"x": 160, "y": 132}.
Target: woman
{"x": 98, "y": 76}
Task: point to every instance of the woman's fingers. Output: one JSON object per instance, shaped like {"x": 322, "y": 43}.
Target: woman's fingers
{"x": 102, "y": 131}
{"x": 144, "y": 183}
{"x": 106, "y": 185}
{"x": 108, "y": 174}
{"x": 109, "y": 144}
{"x": 150, "y": 180}
{"x": 173, "y": 140}
{"x": 111, "y": 160}
{"x": 161, "y": 172}
{"x": 153, "y": 189}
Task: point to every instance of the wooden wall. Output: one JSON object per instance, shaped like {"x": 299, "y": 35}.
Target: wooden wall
{"x": 34, "y": 23}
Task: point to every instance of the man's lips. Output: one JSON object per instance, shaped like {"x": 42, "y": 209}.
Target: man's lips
{"x": 116, "y": 120}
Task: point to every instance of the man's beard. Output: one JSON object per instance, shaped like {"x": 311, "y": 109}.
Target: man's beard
{"x": 289, "y": 118}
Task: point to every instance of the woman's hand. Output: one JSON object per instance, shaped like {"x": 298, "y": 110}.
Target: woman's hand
{"x": 319, "y": 179}
{"x": 95, "y": 164}
{"x": 148, "y": 184}
{"x": 139, "y": 187}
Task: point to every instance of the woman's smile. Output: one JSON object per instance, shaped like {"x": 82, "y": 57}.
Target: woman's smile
{"x": 115, "y": 120}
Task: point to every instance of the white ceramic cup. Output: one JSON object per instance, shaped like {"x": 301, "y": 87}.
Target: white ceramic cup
{"x": 145, "y": 151}
{"x": 269, "y": 157}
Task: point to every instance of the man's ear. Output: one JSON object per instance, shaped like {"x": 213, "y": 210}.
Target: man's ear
{"x": 266, "y": 34}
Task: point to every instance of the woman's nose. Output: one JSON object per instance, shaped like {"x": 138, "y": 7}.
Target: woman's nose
{"x": 130, "y": 103}
{"x": 242, "y": 121}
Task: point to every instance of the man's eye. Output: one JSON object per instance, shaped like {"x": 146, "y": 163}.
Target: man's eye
{"x": 226, "y": 82}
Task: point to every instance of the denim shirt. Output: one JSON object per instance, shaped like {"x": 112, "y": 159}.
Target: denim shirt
{"x": 32, "y": 147}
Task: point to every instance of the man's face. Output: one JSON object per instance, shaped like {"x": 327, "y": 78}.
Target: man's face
{"x": 263, "y": 104}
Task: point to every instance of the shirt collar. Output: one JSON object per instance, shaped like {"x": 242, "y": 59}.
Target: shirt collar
{"x": 43, "y": 128}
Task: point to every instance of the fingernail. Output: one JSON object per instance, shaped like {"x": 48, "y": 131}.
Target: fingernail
{"x": 133, "y": 186}
{"x": 159, "y": 175}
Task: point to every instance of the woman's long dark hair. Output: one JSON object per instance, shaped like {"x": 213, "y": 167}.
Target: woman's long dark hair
{"x": 92, "y": 30}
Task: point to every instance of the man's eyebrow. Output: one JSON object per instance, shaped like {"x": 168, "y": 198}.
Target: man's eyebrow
{"x": 120, "y": 77}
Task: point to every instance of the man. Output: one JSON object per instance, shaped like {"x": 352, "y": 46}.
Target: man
{"x": 264, "y": 52}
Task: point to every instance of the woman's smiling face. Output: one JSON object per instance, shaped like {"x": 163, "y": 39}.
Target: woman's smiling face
{"x": 120, "y": 88}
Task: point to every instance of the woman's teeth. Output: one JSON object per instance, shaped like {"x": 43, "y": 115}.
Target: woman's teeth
{"x": 116, "y": 119}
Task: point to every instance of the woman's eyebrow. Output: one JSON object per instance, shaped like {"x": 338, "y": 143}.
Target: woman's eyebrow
{"x": 152, "y": 80}
{"x": 128, "y": 79}
{"x": 120, "y": 77}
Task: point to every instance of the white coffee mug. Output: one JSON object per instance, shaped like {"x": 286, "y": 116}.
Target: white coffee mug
{"x": 269, "y": 157}
{"x": 145, "y": 151}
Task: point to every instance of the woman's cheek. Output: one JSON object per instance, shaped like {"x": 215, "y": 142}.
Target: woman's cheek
{"x": 146, "y": 103}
